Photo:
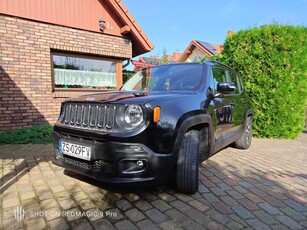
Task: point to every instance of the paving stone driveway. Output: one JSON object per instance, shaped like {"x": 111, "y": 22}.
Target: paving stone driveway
{"x": 264, "y": 187}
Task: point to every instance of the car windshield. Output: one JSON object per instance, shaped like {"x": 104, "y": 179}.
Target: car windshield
{"x": 167, "y": 77}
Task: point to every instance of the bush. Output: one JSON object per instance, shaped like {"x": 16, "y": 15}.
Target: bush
{"x": 272, "y": 61}
{"x": 41, "y": 134}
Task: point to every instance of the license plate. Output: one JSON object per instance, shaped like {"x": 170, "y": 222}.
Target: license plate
{"x": 75, "y": 150}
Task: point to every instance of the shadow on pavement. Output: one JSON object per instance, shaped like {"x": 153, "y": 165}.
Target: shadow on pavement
{"x": 263, "y": 187}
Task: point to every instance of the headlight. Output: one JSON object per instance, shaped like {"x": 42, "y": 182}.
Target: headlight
{"x": 134, "y": 115}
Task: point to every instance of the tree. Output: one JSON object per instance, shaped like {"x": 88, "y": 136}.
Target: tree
{"x": 273, "y": 63}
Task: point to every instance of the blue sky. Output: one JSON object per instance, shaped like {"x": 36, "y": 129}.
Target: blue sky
{"x": 172, "y": 24}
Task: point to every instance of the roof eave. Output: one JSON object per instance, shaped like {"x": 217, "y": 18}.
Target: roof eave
{"x": 141, "y": 43}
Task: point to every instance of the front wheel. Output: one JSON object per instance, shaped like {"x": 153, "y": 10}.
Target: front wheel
{"x": 188, "y": 163}
{"x": 245, "y": 141}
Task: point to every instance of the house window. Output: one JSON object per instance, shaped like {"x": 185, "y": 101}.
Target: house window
{"x": 197, "y": 59}
{"x": 78, "y": 72}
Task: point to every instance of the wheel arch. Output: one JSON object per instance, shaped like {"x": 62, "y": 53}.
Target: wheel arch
{"x": 203, "y": 124}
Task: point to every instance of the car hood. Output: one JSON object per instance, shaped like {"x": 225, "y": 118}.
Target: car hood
{"x": 139, "y": 97}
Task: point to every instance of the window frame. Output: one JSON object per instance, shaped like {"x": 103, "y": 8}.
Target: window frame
{"x": 238, "y": 81}
{"x": 118, "y": 71}
{"x": 228, "y": 72}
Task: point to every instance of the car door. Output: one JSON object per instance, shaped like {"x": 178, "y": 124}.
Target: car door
{"x": 238, "y": 102}
{"x": 223, "y": 104}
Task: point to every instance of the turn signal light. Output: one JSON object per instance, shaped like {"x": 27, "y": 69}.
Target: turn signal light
{"x": 156, "y": 114}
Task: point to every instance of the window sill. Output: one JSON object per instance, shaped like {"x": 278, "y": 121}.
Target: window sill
{"x": 75, "y": 93}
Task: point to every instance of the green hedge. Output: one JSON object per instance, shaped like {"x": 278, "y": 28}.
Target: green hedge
{"x": 41, "y": 134}
{"x": 272, "y": 61}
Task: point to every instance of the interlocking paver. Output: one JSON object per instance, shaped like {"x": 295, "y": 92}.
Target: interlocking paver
{"x": 218, "y": 217}
{"x": 234, "y": 225}
{"x": 135, "y": 215}
{"x": 166, "y": 197}
{"x": 161, "y": 205}
{"x": 190, "y": 224}
{"x": 224, "y": 186}
{"x": 199, "y": 205}
{"x": 67, "y": 204}
{"x": 180, "y": 205}
{"x": 217, "y": 191}
{"x": 125, "y": 224}
{"x": 203, "y": 189}
{"x": 147, "y": 225}
{"x": 221, "y": 207}
{"x": 11, "y": 223}
{"x": 131, "y": 197}
{"x": 242, "y": 212}
{"x": 270, "y": 209}
{"x": 81, "y": 224}
{"x": 295, "y": 205}
{"x": 293, "y": 214}
{"x": 143, "y": 205}
{"x": 123, "y": 205}
{"x": 263, "y": 187}
{"x": 198, "y": 216}
{"x": 86, "y": 204}
{"x": 103, "y": 225}
{"x": 50, "y": 203}
{"x": 265, "y": 217}
{"x": 290, "y": 223}
{"x": 52, "y": 213}
{"x": 274, "y": 202}
{"x": 59, "y": 223}
{"x": 39, "y": 223}
{"x": 257, "y": 224}
{"x": 177, "y": 216}
{"x": 170, "y": 225}
{"x": 248, "y": 204}
{"x": 156, "y": 216}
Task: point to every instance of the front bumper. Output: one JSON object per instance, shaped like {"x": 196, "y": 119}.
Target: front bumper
{"x": 116, "y": 162}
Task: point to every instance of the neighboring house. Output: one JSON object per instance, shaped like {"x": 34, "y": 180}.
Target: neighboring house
{"x": 196, "y": 50}
{"x": 153, "y": 61}
{"x": 52, "y": 50}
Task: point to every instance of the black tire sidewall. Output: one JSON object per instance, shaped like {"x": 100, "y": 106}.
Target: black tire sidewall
{"x": 188, "y": 163}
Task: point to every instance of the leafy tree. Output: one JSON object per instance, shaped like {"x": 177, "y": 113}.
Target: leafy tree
{"x": 163, "y": 59}
{"x": 272, "y": 61}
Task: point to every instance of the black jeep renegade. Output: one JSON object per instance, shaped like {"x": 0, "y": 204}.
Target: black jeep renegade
{"x": 165, "y": 119}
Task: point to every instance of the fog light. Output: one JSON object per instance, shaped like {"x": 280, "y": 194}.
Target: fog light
{"x": 132, "y": 166}
{"x": 140, "y": 164}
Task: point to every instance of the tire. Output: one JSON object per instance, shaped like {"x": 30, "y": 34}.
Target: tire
{"x": 188, "y": 163}
{"x": 245, "y": 141}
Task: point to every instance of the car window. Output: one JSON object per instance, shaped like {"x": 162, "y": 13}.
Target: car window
{"x": 167, "y": 77}
{"x": 219, "y": 75}
{"x": 233, "y": 77}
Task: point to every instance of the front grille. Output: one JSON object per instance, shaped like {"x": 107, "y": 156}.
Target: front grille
{"x": 89, "y": 116}
{"x": 96, "y": 165}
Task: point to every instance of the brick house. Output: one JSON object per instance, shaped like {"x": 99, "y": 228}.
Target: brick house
{"x": 52, "y": 50}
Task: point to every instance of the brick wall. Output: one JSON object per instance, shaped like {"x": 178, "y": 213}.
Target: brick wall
{"x": 26, "y": 96}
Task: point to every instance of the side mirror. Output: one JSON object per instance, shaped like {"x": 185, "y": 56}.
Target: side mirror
{"x": 226, "y": 87}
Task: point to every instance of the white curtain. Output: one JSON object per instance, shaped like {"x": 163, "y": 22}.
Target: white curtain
{"x": 84, "y": 78}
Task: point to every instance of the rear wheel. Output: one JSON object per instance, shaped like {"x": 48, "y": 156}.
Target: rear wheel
{"x": 245, "y": 141}
{"x": 188, "y": 163}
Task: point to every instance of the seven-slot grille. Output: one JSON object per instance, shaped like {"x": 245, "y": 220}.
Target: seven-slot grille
{"x": 89, "y": 116}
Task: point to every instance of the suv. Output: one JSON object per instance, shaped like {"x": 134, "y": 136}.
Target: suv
{"x": 165, "y": 119}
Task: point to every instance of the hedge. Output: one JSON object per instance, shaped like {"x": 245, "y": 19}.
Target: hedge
{"x": 41, "y": 134}
{"x": 272, "y": 61}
